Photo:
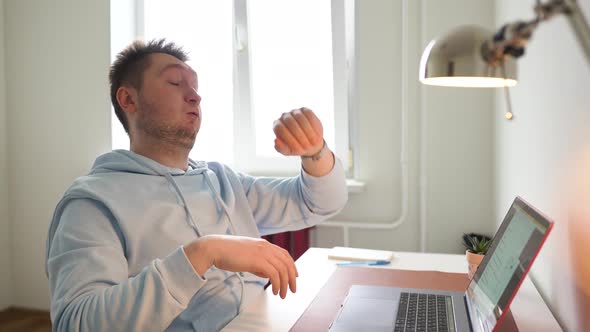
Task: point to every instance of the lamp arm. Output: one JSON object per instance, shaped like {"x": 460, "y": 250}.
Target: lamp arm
{"x": 580, "y": 26}
{"x": 511, "y": 39}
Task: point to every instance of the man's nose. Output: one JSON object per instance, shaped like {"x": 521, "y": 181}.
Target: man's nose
{"x": 193, "y": 97}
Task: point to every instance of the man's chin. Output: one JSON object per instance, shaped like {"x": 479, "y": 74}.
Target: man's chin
{"x": 186, "y": 142}
{"x": 181, "y": 137}
{"x": 187, "y": 145}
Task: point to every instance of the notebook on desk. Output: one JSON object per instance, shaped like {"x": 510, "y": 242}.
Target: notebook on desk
{"x": 357, "y": 255}
{"x": 480, "y": 308}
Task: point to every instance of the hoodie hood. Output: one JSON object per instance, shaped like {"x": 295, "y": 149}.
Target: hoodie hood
{"x": 124, "y": 161}
{"x": 129, "y": 162}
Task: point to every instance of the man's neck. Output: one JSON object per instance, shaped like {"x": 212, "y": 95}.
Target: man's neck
{"x": 164, "y": 153}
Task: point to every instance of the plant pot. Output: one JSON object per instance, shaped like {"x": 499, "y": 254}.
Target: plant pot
{"x": 473, "y": 260}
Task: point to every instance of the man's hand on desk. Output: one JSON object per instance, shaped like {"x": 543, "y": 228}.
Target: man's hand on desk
{"x": 245, "y": 254}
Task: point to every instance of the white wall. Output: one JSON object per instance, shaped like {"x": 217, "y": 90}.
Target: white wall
{"x": 543, "y": 156}
{"x": 459, "y": 140}
{"x": 57, "y": 59}
{"x": 449, "y": 132}
{"x": 379, "y": 60}
{"x": 5, "y": 266}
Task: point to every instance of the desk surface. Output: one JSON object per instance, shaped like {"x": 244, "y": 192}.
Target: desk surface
{"x": 270, "y": 313}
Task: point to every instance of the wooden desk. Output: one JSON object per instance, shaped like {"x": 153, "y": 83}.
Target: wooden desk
{"x": 270, "y": 313}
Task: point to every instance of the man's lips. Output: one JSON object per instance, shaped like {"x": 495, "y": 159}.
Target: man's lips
{"x": 195, "y": 114}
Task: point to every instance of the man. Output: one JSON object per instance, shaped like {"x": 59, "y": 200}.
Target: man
{"x": 151, "y": 240}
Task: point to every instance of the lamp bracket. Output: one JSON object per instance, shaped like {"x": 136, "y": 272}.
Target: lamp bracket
{"x": 511, "y": 38}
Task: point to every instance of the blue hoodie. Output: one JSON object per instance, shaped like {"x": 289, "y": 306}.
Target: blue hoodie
{"x": 114, "y": 251}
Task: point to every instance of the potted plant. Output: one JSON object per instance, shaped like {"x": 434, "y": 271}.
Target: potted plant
{"x": 476, "y": 246}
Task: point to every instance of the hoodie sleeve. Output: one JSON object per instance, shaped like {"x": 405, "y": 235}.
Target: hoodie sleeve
{"x": 286, "y": 204}
{"x": 90, "y": 286}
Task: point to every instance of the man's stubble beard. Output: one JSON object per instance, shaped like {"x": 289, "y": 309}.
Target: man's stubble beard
{"x": 167, "y": 133}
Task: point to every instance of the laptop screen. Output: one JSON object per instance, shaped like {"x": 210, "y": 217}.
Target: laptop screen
{"x": 514, "y": 247}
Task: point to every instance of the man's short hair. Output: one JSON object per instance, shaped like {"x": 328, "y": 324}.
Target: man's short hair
{"x": 130, "y": 65}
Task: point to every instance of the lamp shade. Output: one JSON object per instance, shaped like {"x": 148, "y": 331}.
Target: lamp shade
{"x": 457, "y": 59}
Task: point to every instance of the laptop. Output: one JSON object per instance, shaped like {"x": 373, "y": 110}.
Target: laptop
{"x": 480, "y": 308}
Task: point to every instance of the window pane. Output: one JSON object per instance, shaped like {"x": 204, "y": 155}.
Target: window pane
{"x": 118, "y": 135}
{"x": 204, "y": 29}
{"x": 291, "y": 64}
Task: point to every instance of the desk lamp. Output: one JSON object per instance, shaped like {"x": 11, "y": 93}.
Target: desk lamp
{"x": 470, "y": 56}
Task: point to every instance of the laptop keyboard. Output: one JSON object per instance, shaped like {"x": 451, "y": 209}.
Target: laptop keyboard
{"x": 424, "y": 313}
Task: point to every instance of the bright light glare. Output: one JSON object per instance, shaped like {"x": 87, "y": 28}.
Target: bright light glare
{"x": 204, "y": 29}
{"x": 291, "y": 58}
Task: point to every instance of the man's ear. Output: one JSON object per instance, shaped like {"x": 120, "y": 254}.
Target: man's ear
{"x": 127, "y": 99}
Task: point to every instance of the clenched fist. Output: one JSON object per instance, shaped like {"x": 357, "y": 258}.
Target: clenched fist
{"x": 298, "y": 133}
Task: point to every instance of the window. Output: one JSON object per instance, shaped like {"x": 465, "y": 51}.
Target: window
{"x": 256, "y": 60}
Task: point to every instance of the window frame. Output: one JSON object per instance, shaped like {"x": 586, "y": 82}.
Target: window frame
{"x": 344, "y": 80}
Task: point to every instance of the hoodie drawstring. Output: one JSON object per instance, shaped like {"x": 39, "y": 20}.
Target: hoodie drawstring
{"x": 220, "y": 202}
{"x": 194, "y": 226}
{"x": 232, "y": 229}
{"x": 192, "y": 223}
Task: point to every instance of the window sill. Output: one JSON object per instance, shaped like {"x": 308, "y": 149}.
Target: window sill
{"x": 355, "y": 186}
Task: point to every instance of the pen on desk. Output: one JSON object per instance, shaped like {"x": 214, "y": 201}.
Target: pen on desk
{"x": 369, "y": 263}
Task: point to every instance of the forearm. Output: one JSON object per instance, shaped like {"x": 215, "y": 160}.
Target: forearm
{"x": 150, "y": 301}
{"x": 327, "y": 194}
{"x": 200, "y": 255}
{"x": 286, "y": 204}
{"x": 321, "y": 166}
{"x": 91, "y": 288}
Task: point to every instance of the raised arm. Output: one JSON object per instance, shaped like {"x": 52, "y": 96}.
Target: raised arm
{"x": 284, "y": 204}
